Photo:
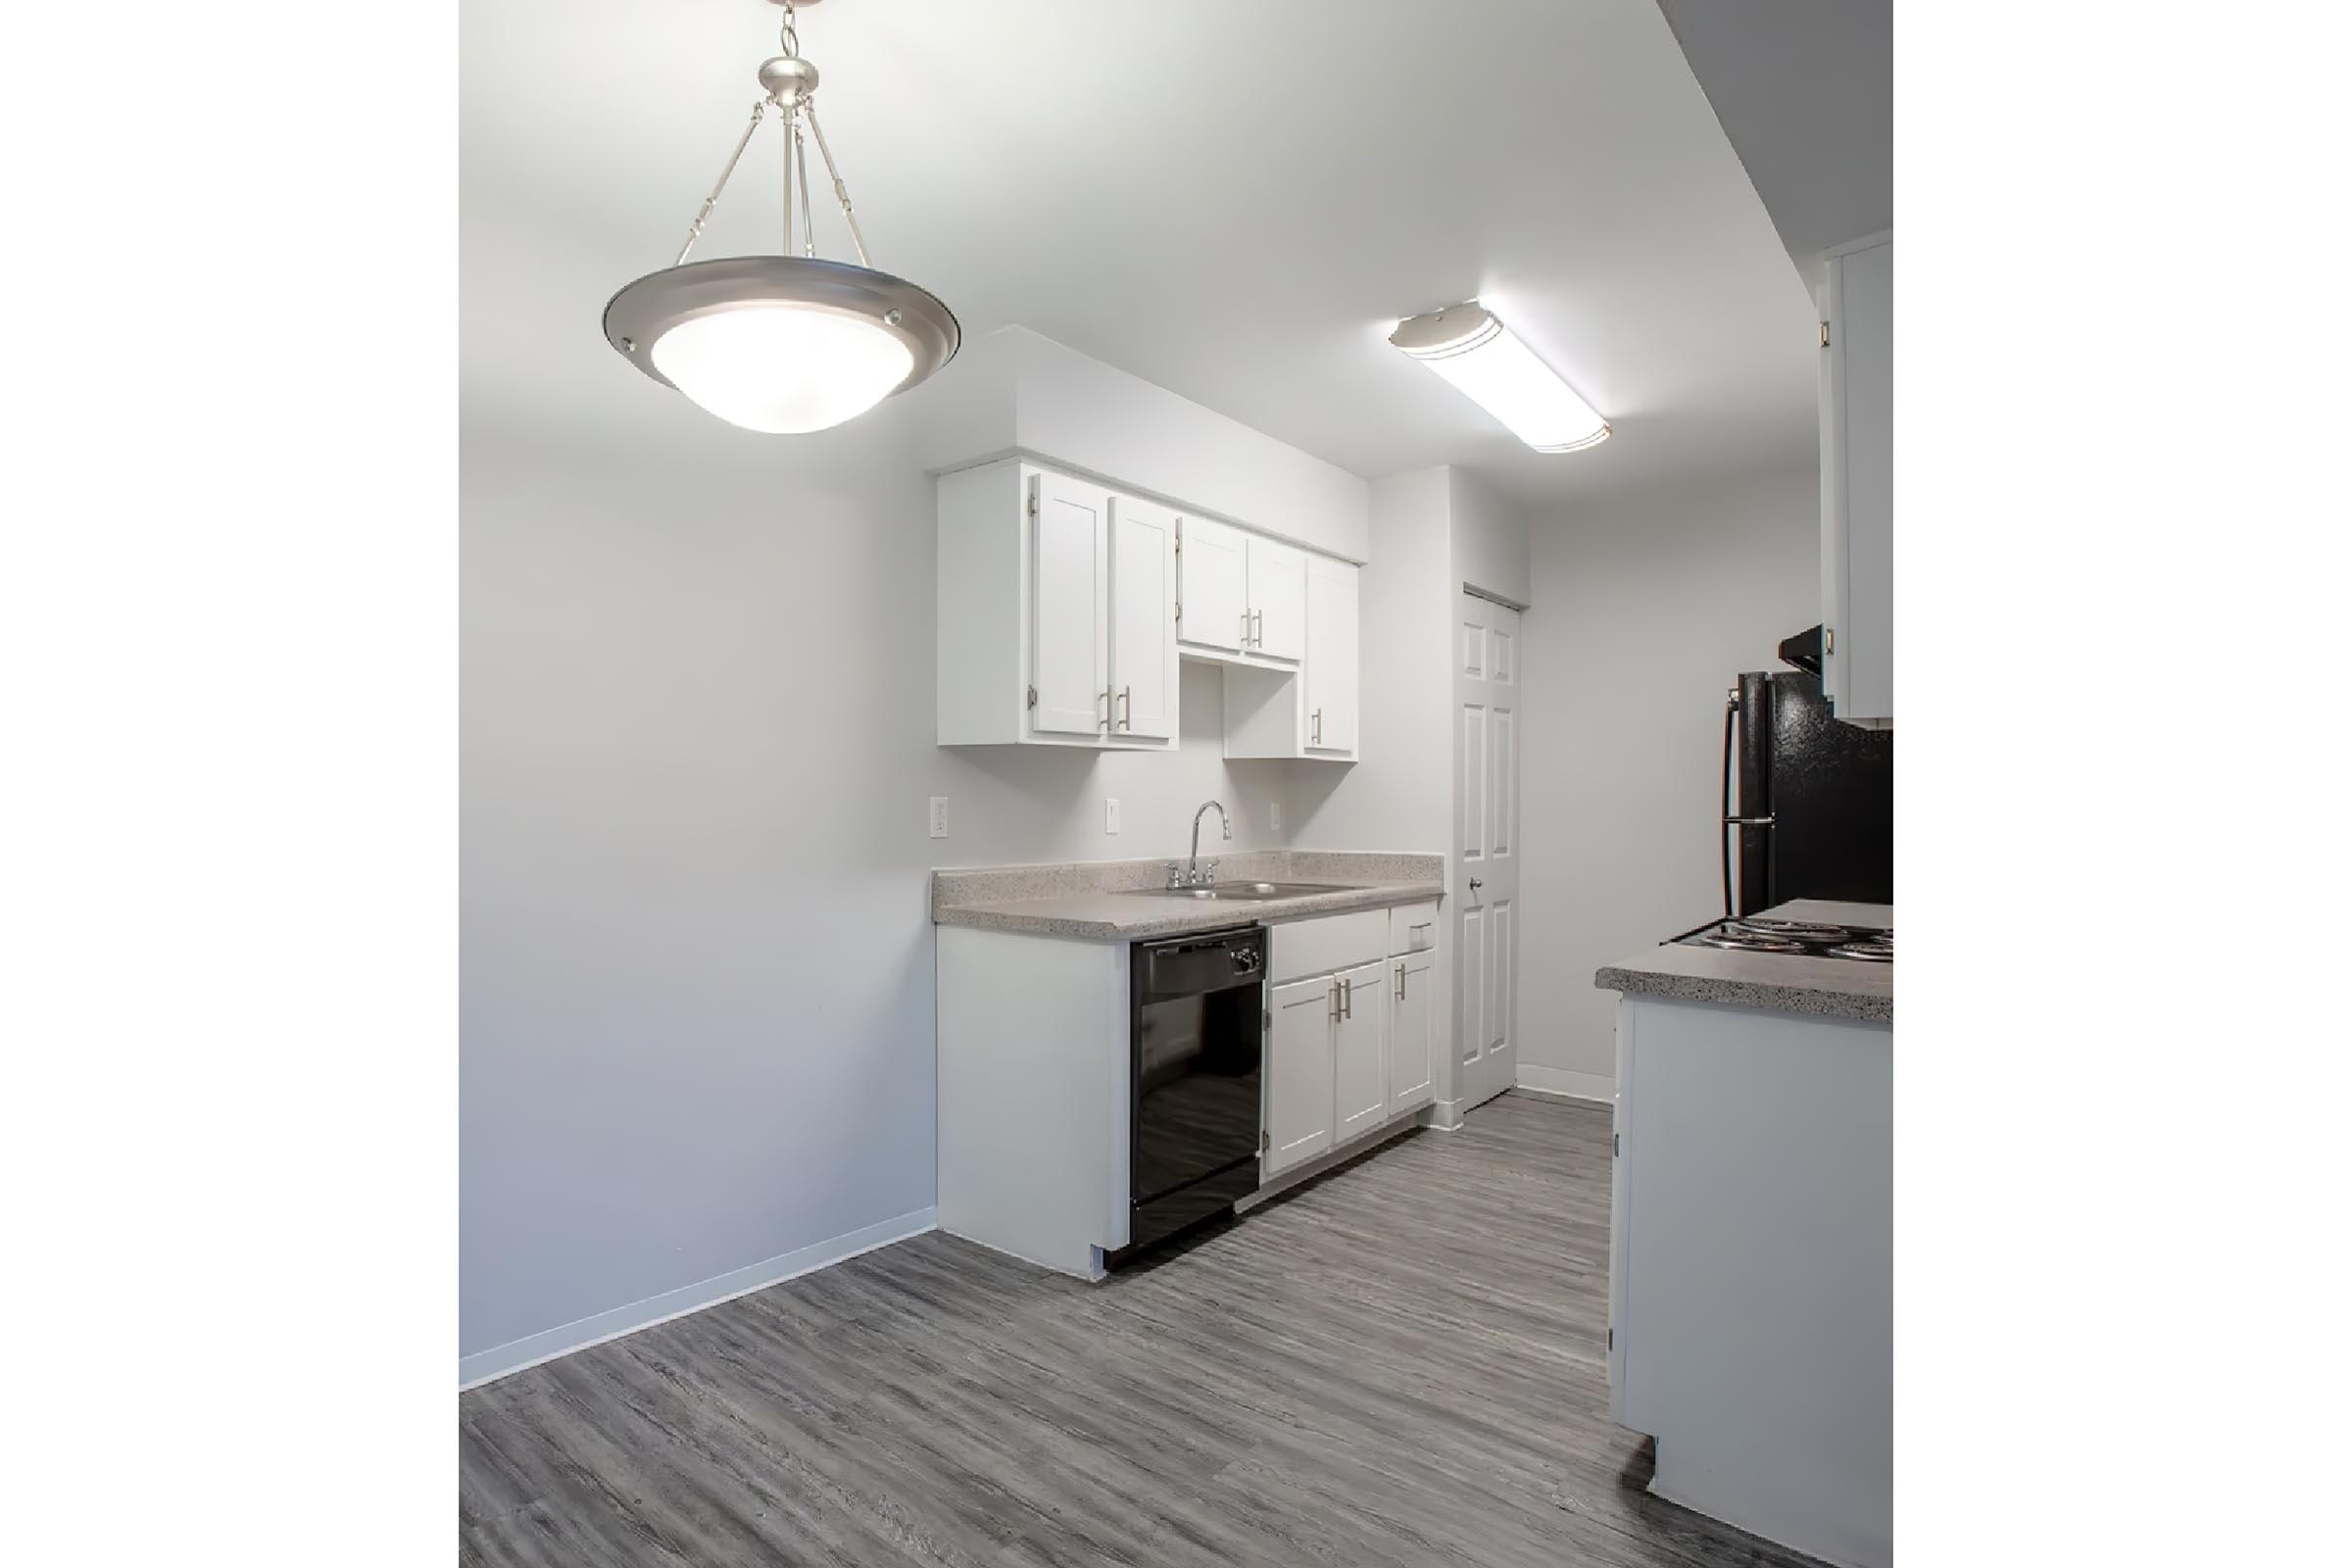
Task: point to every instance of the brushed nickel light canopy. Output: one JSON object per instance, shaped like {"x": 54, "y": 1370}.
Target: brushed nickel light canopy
{"x": 782, "y": 344}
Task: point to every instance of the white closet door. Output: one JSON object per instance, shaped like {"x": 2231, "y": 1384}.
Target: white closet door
{"x": 1143, "y": 619}
{"x": 1487, "y": 847}
{"x": 1070, "y": 581}
{"x": 1215, "y": 586}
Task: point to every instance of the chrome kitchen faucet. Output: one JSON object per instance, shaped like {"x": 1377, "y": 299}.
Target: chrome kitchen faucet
{"x": 1190, "y": 874}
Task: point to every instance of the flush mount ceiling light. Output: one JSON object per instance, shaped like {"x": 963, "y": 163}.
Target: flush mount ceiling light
{"x": 1467, "y": 346}
{"x": 782, "y": 344}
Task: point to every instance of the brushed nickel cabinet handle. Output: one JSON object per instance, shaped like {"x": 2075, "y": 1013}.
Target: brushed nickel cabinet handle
{"x": 1400, "y": 982}
{"x": 1245, "y": 628}
{"x": 1126, "y": 708}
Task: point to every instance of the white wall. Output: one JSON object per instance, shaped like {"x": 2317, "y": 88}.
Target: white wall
{"x": 697, "y": 711}
{"x": 1490, "y": 549}
{"x": 1644, "y": 610}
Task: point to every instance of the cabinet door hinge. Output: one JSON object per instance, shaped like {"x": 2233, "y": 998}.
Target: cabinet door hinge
{"x": 1829, "y": 640}
{"x": 1612, "y": 1339}
{"x": 1825, "y": 334}
{"x": 1266, "y": 1142}
{"x": 1179, "y": 612}
{"x": 1268, "y": 1019}
{"x": 1617, "y": 1144}
{"x": 1032, "y": 697}
{"x": 1033, "y": 502}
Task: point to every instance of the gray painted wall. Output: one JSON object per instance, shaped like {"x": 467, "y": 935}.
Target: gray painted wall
{"x": 1644, "y": 608}
{"x": 697, "y": 709}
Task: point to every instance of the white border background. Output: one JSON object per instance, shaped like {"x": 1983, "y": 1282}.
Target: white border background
{"x": 227, "y": 643}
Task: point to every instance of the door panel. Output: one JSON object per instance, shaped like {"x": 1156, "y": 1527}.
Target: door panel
{"x": 1470, "y": 981}
{"x": 1215, "y": 584}
{"x": 1298, "y": 1074}
{"x": 1360, "y": 1067}
{"x": 1143, "y": 628}
{"x": 1067, "y": 586}
{"x": 1412, "y": 1036}
{"x": 1486, "y": 690}
{"x": 1278, "y": 595}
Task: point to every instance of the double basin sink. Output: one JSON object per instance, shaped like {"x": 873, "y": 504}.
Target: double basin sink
{"x": 1244, "y": 892}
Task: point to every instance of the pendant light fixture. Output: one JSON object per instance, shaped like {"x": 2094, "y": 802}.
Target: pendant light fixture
{"x": 782, "y": 344}
{"x": 1489, "y": 364}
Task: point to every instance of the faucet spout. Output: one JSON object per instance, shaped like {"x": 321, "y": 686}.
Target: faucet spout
{"x": 1193, "y": 868}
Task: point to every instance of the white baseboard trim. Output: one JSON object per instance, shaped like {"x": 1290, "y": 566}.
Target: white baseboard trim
{"x": 484, "y": 1366}
{"x": 1561, "y": 1084}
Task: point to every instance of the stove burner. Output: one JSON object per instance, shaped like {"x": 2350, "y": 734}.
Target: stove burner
{"x": 1745, "y": 942}
{"x": 1809, "y": 939}
{"x": 1794, "y": 930}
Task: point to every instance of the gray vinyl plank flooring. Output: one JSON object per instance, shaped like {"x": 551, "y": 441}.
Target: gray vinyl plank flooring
{"x": 1403, "y": 1363}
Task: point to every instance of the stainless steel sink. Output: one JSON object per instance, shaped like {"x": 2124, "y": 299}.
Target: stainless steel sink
{"x": 1246, "y": 891}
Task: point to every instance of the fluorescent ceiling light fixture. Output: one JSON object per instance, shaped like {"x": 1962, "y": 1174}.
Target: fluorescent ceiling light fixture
{"x": 782, "y": 344}
{"x": 1467, "y": 346}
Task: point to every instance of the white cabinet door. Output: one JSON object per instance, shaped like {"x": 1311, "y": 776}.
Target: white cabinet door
{"x": 1857, "y": 483}
{"x": 1412, "y": 1039}
{"x": 1359, "y": 1052}
{"x": 1143, "y": 619}
{"x": 1331, "y": 656}
{"x": 1299, "y": 1065}
{"x": 1277, "y": 600}
{"x": 1215, "y": 587}
{"x": 1070, "y": 581}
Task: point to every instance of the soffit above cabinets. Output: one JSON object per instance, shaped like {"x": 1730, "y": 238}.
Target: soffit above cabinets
{"x": 1017, "y": 393}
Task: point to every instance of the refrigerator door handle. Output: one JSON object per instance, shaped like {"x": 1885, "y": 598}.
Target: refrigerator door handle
{"x": 1723, "y": 834}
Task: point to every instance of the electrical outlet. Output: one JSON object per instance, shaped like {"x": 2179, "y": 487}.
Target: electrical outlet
{"x": 939, "y": 817}
{"x": 1274, "y": 816}
{"x": 1110, "y": 813}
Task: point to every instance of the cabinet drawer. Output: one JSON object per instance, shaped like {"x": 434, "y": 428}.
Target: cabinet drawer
{"x": 1325, "y": 944}
{"x": 1412, "y": 928}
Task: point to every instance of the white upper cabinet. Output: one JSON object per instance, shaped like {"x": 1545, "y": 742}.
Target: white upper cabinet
{"x": 1066, "y": 606}
{"x": 1143, "y": 623}
{"x": 1216, "y": 587}
{"x": 1277, "y": 600}
{"x": 1331, "y": 656}
{"x": 1057, "y": 612}
{"x": 1857, "y": 481}
{"x": 1069, "y": 651}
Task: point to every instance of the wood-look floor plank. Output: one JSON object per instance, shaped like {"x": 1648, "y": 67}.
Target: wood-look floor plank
{"x": 1404, "y": 1362}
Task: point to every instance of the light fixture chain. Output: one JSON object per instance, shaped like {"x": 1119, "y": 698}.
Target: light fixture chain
{"x": 759, "y": 113}
{"x": 840, "y": 190}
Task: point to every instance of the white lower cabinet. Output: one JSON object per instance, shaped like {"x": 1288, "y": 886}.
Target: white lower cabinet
{"x": 1352, "y": 1041}
{"x": 1298, "y": 1073}
{"x": 1360, "y": 1056}
{"x": 1412, "y": 1036}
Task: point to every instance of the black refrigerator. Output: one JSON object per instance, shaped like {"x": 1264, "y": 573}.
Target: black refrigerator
{"x": 1813, "y": 816}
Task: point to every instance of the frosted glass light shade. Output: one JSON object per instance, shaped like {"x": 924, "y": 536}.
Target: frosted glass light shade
{"x": 1467, "y": 346}
{"x": 781, "y": 343}
{"x": 784, "y": 369}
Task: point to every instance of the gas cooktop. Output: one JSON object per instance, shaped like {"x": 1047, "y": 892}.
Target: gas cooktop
{"x": 1807, "y": 939}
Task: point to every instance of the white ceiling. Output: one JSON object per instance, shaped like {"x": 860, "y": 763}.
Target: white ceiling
{"x": 1233, "y": 198}
{"x": 1805, "y": 92}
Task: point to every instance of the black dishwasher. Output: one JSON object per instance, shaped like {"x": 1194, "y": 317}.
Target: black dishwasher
{"x": 1199, "y": 1039}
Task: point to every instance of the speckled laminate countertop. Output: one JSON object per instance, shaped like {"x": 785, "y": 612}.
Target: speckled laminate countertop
{"x": 1106, "y": 900}
{"x": 1830, "y": 988}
